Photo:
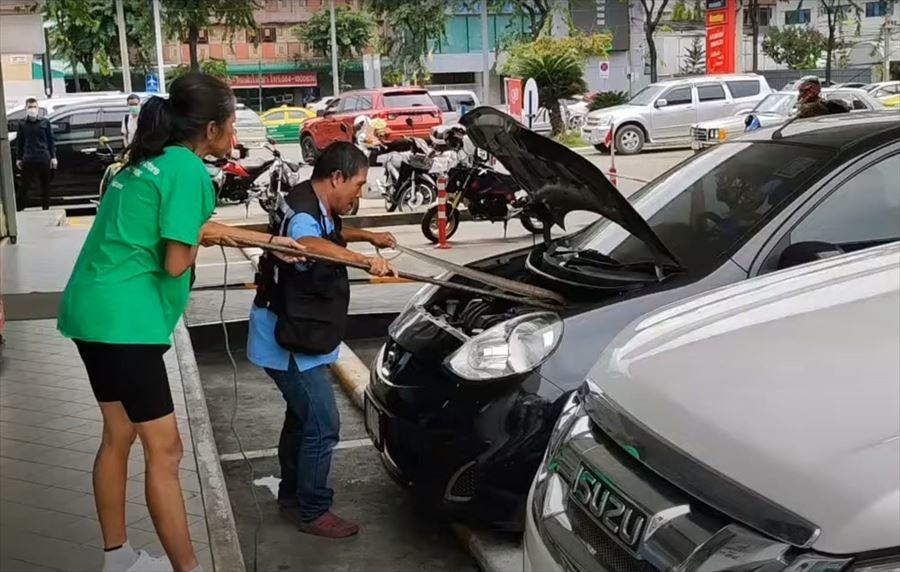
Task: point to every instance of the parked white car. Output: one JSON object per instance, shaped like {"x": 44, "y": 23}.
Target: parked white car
{"x": 249, "y": 127}
{"x": 661, "y": 114}
{"x": 772, "y": 110}
{"x": 754, "y": 427}
{"x": 451, "y": 101}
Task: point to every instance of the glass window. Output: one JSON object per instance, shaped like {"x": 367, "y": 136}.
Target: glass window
{"x": 866, "y": 208}
{"x": 707, "y": 209}
{"x": 678, "y": 96}
{"x": 346, "y": 105}
{"x": 711, "y": 92}
{"x": 876, "y": 9}
{"x": 76, "y": 127}
{"x": 851, "y": 99}
{"x": 415, "y": 99}
{"x": 112, "y": 121}
{"x": 455, "y": 36}
{"x": 296, "y": 115}
{"x": 777, "y": 103}
{"x": 474, "y": 35}
{"x": 363, "y": 103}
{"x": 442, "y": 102}
{"x": 646, "y": 95}
{"x": 743, "y": 88}
{"x": 793, "y": 17}
{"x": 459, "y": 100}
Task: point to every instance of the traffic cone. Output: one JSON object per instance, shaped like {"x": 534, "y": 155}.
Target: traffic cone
{"x": 442, "y": 212}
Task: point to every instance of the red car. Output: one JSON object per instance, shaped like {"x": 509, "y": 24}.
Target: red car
{"x": 408, "y": 111}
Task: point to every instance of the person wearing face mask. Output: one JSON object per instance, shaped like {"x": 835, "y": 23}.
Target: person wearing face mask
{"x": 127, "y": 291}
{"x": 35, "y": 154}
{"x": 129, "y": 122}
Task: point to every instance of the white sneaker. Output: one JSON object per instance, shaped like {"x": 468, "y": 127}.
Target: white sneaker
{"x": 147, "y": 563}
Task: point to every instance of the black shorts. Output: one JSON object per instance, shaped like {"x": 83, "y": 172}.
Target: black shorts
{"x": 134, "y": 374}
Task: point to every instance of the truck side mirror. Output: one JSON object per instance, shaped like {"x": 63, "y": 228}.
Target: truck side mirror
{"x": 661, "y": 103}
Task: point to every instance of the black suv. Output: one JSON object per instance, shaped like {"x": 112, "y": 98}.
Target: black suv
{"x": 77, "y": 129}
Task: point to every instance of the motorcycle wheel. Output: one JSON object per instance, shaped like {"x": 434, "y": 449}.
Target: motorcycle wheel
{"x": 410, "y": 201}
{"x": 430, "y": 223}
{"x": 531, "y": 224}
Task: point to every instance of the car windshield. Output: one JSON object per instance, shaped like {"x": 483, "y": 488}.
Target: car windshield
{"x": 780, "y": 103}
{"x": 705, "y": 208}
{"x": 415, "y": 99}
{"x": 646, "y": 95}
{"x": 247, "y": 118}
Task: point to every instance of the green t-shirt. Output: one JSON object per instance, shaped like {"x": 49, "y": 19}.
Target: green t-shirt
{"x": 119, "y": 291}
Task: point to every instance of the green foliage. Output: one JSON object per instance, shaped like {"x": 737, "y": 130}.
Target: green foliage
{"x": 414, "y": 25}
{"x": 795, "y": 47}
{"x": 570, "y": 139}
{"x": 213, "y": 67}
{"x": 354, "y": 31}
{"x": 681, "y": 13}
{"x": 694, "y": 61}
{"x": 606, "y": 99}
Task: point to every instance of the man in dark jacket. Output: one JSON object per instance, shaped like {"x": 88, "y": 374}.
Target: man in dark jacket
{"x": 810, "y": 102}
{"x": 35, "y": 154}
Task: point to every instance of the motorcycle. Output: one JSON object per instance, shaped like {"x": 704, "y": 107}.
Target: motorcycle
{"x": 487, "y": 194}
{"x": 408, "y": 183}
{"x": 111, "y": 160}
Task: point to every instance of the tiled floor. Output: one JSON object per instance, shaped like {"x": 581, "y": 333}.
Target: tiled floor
{"x": 49, "y": 431}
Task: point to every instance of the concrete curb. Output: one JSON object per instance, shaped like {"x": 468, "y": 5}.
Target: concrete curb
{"x": 492, "y": 552}
{"x": 224, "y": 545}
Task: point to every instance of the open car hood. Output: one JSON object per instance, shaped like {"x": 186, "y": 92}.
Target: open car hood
{"x": 558, "y": 179}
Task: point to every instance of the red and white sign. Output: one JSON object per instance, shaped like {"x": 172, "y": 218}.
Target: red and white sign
{"x": 604, "y": 69}
{"x": 292, "y": 79}
{"x": 514, "y": 97}
{"x": 720, "y": 36}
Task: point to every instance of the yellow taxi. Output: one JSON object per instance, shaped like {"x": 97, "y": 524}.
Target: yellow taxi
{"x": 893, "y": 101}
{"x": 283, "y": 123}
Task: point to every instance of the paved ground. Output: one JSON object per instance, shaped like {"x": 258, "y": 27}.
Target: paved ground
{"x": 393, "y": 536}
{"x": 49, "y": 431}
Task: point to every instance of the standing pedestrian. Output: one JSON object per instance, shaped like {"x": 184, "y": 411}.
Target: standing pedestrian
{"x": 128, "y": 289}
{"x": 35, "y": 154}
{"x": 130, "y": 121}
{"x": 297, "y": 324}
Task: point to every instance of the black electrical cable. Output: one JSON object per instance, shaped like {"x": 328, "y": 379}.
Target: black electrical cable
{"x": 234, "y": 410}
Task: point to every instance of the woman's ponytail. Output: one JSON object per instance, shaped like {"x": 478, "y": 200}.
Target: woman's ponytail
{"x": 154, "y": 130}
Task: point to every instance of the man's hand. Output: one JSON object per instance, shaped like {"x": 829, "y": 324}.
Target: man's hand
{"x": 378, "y": 266}
{"x": 289, "y": 243}
{"x": 382, "y": 240}
{"x": 19, "y": 164}
{"x": 54, "y": 163}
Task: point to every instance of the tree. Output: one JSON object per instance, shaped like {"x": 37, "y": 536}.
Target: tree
{"x": 414, "y": 25}
{"x": 185, "y": 18}
{"x": 652, "y": 16}
{"x": 354, "y": 30}
{"x": 681, "y": 13}
{"x": 213, "y": 67}
{"x": 536, "y": 11}
{"x": 694, "y": 61}
{"x": 836, "y": 13}
{"x": 797, "y": 48}
{"x": 557, "y": 66}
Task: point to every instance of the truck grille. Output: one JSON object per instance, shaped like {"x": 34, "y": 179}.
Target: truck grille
{"x": 609, "y": 554}
{"x": 592, "y": 122}
{"x": 698, "y": 134}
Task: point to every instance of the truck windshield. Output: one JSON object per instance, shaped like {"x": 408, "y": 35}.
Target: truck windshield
{"x": 704, "y": 210}
{"x": 646, "y": 95}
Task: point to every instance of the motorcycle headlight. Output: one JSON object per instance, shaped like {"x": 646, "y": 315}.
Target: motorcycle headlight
{"x": 512, "y": 347}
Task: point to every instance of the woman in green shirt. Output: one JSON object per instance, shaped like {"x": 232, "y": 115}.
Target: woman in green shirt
{"x": 129, "y": 287}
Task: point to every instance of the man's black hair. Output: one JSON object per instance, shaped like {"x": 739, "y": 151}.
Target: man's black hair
{"x": 132, "y": 96}
{"x": 29, "y": 101}
{"x": 339, "y": 156}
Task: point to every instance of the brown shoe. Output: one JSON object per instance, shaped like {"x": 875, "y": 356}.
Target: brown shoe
{"x": 329, "y": 525}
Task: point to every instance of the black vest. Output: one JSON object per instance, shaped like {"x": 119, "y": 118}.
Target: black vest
{"x": 311, "y": 305}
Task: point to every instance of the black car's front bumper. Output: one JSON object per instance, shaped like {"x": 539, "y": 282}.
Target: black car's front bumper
{"x": 470, "y": 452}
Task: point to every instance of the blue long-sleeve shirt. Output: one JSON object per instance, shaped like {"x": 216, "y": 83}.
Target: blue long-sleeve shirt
{"x": 34, "y": 141}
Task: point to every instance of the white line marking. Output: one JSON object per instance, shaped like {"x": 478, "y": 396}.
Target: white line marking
{"x": 264, "y": 453}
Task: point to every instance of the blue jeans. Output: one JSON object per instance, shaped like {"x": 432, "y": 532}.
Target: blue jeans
{"x": 310, "y": 432}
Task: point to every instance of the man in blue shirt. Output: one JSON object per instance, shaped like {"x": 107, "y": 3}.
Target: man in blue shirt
{"x": 297, "y": 322}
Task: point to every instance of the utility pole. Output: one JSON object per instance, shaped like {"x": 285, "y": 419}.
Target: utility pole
{"x": 886, "y": 49}
{"x": 335, "y": 80}
{"x": 157, "y": 25}
{"x": 485, "y": 55}
{"x": 123, "y": 47}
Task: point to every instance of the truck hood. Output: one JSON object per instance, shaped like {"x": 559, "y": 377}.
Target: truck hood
{"x": 558, "y": 179}
{"x": 736, "y": 122}
{"x": 787, "y": 386}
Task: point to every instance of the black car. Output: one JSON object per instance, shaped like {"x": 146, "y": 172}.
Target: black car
{"x": 465, "y": 392}
{"x": 77, "y": 129}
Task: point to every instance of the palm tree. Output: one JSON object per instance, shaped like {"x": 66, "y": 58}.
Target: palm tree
{"x": 557, "y": 76}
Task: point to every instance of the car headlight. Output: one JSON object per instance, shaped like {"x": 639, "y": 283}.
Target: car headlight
{"x": 604, "y": 119}
{"x": 713, "y": 134}
{"x": 512, "y": 347}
